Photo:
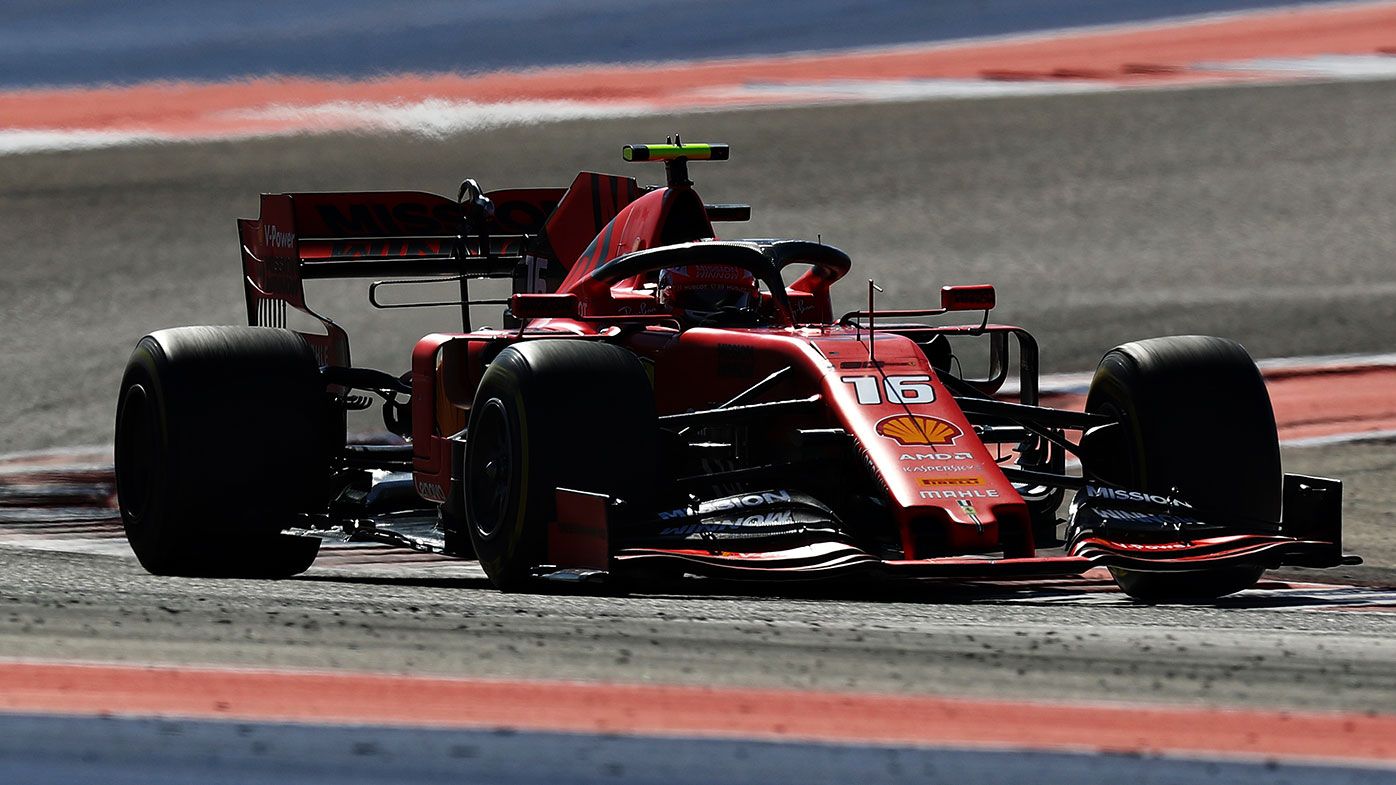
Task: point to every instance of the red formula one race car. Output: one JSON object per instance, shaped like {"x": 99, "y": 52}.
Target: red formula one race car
{"x": 658, "y": 402}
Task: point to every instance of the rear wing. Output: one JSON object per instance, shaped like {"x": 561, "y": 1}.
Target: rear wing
{"x": 308, "y": 236}
{"x": 532, "y": 235}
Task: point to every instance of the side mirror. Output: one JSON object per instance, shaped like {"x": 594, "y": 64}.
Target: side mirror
{"x": 978, "y": 297}
{"x": 1102, "y": 448}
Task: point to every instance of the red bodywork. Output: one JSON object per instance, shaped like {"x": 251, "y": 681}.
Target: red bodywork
{"x": 973, "y": 505}
{"x": 955, "y": 512}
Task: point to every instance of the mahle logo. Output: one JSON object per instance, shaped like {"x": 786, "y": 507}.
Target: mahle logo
{"x": 988, "y": 493}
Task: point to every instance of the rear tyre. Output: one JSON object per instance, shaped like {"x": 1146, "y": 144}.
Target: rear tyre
{"x": 550, "y": 413}
{"x": 1196, "y": 418}
{"x": 223, "y": 434}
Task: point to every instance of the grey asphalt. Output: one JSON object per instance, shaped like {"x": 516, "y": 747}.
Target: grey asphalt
{"x": 1368, "y": 472}
{"x": 1259, "y": 213}
{"x": 930, "y": 640}
{"x": 1263, "y": 214}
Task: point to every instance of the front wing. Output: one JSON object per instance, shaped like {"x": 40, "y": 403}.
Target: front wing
{"x": 1310, "y": 536}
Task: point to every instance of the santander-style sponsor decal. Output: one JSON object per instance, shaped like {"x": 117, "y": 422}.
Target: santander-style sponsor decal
{"x": 432, "y": 491}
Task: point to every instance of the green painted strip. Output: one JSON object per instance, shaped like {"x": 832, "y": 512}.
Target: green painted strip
{"x": 668, "y": 152}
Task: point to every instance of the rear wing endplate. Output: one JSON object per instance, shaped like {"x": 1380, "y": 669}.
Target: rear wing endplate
{"x": 308, "y": 236}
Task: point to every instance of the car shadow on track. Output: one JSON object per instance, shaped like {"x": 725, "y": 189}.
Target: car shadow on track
{"x": 1096, "y": 592}
{"x": 424, "y": 582}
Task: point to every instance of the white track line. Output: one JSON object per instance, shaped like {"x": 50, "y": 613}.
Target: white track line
{"x": 434, "y": 117}
{"x": 1079, "y": 382}
{"x": 1340, "y": 438}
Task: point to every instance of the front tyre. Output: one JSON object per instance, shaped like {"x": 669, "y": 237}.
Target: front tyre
{"x": 223, "y": 435}
{"x": 1196, "y": 417}
{"x": 548, "y": 413}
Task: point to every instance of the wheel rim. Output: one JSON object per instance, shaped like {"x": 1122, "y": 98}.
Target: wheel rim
{"x": 491, "y": 468}
{"x": 136, "y": 453}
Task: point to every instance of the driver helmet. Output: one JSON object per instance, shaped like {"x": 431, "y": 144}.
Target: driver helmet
{"x": 699, "y": 292}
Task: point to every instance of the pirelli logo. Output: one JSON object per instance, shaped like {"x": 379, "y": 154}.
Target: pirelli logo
{"x": 942, "y": 482}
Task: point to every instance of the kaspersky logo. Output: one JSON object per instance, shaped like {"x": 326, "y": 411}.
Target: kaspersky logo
{"x": 910, "y": 429}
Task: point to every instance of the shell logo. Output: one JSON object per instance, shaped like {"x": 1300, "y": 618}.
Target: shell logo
{"x": 908, "y": 429}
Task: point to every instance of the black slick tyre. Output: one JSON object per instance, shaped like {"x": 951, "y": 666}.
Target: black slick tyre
{"x": 553, "y": 413}
{"x": 1196, "y": 418}
{"x": 223, "y": 434}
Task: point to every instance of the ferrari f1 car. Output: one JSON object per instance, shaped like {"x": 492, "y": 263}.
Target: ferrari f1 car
{"x": 659, "y": 402}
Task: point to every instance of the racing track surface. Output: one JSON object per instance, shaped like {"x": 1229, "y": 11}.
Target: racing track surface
{"x": 1259, "y": 213}
{"x": 1102, "y": 218}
